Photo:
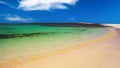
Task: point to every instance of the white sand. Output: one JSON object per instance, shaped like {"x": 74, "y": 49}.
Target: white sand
{"x": 114, "y": 25}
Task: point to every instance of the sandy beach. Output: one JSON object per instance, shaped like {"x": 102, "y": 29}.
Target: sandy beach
{"x": 100, "y": 52}
{"x": 59, "y": 33}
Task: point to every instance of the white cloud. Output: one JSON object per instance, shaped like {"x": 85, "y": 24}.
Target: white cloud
{"x": 45, "y": 4}
{"x": 1, "y": 2}
{"x": 17, "y": 18}
{"x": 4, "y": 3}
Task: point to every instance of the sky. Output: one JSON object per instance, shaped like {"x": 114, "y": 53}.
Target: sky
{"x": 27, "y": 11}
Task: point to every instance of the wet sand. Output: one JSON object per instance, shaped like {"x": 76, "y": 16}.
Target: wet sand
{"x": 102, "y": 52}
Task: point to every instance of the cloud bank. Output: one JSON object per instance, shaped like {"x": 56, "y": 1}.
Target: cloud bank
{"x": 17, "y": 18}
{"x": 45, "y": 4}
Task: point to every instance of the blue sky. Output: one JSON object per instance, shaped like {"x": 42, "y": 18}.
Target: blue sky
{"x": 97, "y": 11}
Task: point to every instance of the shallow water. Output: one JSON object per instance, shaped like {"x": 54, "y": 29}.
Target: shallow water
{"x": 31, "y": 40}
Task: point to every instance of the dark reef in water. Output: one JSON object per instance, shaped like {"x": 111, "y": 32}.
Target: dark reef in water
{"x": 4, "y": 36}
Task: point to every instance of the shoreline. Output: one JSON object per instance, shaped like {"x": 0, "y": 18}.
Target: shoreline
{"x": 101, "y": 39}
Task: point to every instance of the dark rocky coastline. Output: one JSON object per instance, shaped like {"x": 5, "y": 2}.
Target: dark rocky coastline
{"x": 60, "y": 24}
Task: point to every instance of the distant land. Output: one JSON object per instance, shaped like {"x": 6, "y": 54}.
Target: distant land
{"x": 69, "y": 24}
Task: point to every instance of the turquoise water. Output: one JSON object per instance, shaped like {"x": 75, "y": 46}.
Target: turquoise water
{"x": 41, "y": 39}
{"x": 19, "y": 29}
